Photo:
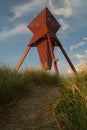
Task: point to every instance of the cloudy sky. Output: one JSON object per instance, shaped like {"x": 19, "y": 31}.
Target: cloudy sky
{"x": 14, "y": 34}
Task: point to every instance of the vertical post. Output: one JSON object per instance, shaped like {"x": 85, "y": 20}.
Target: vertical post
{"x": 22, "y": 58}
{"x": 52, "y": 54}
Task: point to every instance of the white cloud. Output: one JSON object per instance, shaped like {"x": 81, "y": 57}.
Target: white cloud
{"x": 78, "y": 56}
{"x": 68, "y": 2}
{"x": 86, "y": 52}
{"x": 19, "y": 29}
{"x": 82, "y": 63}
{"x": 82, "y": 43}
{"x": 77, "y": 45}
{"x": 79, "y": 67}
{"x": 82, "y": 58}
{"x": 64, "y": 28}
{"x": 65, "y": 11}
{"x": 64, "y": 25}
{"x": 26, "y": 8}
{"x": 85, "y": 38}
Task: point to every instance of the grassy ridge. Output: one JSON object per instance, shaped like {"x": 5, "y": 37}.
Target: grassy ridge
{"x": 11, "y": 85}
{"x": 15, "y": 85}
{"x": 72, "y": 106}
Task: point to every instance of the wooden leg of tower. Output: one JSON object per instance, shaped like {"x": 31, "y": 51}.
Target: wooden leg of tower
{"x": 66, "y": 56}
{"x": 55, "y": 67}
{"x": 22, "y": 59}
{"x": 68, "y": 59}
{"x": 52, "y": 54}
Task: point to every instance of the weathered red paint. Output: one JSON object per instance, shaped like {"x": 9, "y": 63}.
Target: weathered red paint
{"x": 44, "y": 54}
{"x": 44, "y": 28}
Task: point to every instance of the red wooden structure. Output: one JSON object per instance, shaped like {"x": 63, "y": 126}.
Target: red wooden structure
{"x": 44, "y": 28}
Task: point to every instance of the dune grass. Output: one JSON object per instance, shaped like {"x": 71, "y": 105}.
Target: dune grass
{"x": 11, "y": 85}
{"x": 16, "y": 85}
{"x": 72, "y": 106}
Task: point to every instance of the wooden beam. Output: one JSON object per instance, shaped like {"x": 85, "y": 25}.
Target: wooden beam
{"x": 22, "y": 58}
{"x": 66, "y": 56}
{"x": 52, "y": 54}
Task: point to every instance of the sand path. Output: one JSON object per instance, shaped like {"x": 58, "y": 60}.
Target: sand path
{"x": 32, "y": 112}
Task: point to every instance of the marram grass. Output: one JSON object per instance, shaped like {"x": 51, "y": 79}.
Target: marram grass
{"x": 15, "y": 85}
{"x": 72, "y": 106}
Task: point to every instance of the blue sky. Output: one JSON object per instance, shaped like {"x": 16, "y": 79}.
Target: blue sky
{"x": 14, "y": 34}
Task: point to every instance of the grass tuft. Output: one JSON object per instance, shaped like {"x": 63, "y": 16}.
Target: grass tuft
{"x": 15, "y": 85}
{"x": 73, "y": 103}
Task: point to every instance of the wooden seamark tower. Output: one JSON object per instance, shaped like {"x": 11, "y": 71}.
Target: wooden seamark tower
{"x": 44, "y": 28}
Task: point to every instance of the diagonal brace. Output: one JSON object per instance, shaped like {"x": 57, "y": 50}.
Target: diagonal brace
{"x": 22, "y": 58}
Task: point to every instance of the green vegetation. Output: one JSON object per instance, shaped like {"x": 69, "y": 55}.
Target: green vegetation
{"x": 16, "y": 85}
{"x": 71, "y": 109}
